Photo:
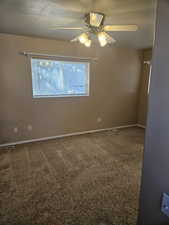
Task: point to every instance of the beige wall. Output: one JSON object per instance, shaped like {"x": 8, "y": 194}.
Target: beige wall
{"x": 114, "y": 82}
{"x": 143, "y": 91}
{"x": 155, "y": 180}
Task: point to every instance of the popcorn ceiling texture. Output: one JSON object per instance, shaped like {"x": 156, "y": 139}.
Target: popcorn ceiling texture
{"x": 82, "y": 180}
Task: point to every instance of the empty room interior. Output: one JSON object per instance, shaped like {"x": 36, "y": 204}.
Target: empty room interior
{"x": 75, "y": 80}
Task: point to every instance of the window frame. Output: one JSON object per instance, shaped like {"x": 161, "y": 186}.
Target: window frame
{"x": 87, "y": 94}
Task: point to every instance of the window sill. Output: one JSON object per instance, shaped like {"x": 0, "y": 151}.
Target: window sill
{"x": 59, "y": 96}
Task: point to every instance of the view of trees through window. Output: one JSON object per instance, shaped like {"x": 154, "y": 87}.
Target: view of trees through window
{"x": 59, "y": 78}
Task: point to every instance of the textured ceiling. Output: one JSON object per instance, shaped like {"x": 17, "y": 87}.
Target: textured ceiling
{"x": 36, "y": 17}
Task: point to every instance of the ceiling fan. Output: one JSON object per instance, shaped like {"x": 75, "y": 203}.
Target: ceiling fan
{"x": 94, "y": 24}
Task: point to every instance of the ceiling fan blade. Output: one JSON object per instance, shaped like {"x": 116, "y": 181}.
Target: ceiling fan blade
{"x": 67, "y": 28}
{"x": 120, "y": 28}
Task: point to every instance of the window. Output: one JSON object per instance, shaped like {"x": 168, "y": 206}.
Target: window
{"x": 51, "y": 78}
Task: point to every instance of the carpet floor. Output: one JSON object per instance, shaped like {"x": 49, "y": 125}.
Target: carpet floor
{"x": 91, "y": 179}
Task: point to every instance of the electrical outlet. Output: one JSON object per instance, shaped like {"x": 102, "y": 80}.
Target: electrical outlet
{"x": 29, "y": 127}
{"x": 15, "y": 130}
{"x": 99, "y": 119}
{"x": 165, "y": 204}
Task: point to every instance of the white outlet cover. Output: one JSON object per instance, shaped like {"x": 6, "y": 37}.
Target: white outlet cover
{"x": 15, "y": 130}
{"x": 99, "y": 119}
{"x": 29, "y": 127}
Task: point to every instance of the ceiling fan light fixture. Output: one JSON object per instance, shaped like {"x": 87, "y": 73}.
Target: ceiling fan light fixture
{"x": 88, "y": 43}
{"x": 83, "y": 38}
{"x": 94, "y": 25}
{"x": 109, "y": 38}
{"x": 96, "y": 19}
{"x": 103, "y": 43}
{"x": 102, "y": 36}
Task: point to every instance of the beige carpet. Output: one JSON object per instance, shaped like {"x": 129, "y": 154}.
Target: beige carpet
{"x": 90, "y": 179}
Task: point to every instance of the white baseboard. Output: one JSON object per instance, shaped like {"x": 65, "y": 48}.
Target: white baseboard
{"x": 142, "y": 126}
{"x": 124, "y": 126}
{"x": 65, "y": 135}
